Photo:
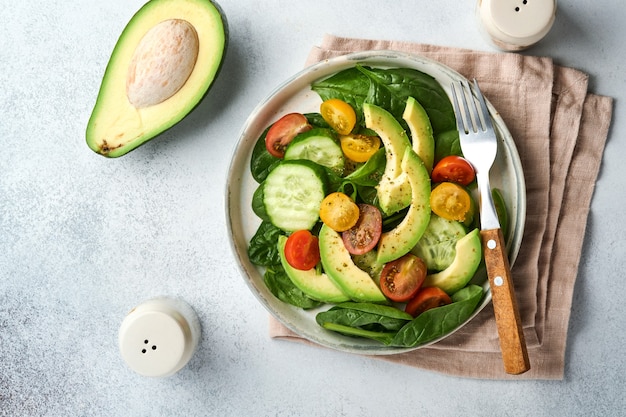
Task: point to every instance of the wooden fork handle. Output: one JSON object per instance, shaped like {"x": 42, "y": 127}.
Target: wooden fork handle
{"x": 508, "y": 322}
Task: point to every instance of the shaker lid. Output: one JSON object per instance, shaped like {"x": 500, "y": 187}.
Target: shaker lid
{"x": 520, "y": 22}
{"x": 156, "y": 339}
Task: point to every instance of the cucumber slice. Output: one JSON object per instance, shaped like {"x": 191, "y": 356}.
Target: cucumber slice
{"x": 317, "y": 145}
{"x": 292, "y": 194}
{"x": 437, "y": 246}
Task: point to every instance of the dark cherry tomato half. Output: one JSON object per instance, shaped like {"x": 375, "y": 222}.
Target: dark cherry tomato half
{"x": 302, "y": 250}
{"x": 364, "y": 235}
{"x": 425, "y": 299}
{"x": 401, "y": 279}
{"x": 282, "y": 132}
{"x": 454, "y": 169}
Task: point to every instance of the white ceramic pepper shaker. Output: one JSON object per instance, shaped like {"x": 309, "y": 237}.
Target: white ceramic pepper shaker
{"x": 514, "y": 25}
{"x": 158, "y": 337}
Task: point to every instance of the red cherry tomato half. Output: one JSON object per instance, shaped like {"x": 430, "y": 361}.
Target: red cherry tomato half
{"x": 454, "y": 169}
{"x": 364, "y": 235}
{"x": 425, "y": 299}
{"x": 282, "y": 132}
{"x": 302, "y": 250}
{"x": 401, "y": 279}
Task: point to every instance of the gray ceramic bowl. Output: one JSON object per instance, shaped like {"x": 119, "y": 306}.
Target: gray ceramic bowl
{"x": 296, "y": 95}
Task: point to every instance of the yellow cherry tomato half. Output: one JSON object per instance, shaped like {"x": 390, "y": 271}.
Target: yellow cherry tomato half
{"x": 339, "y": 212}
{"x": 359, "y": 148}
{"x": 452, "y": 202}
{"x": 339, "y": 115}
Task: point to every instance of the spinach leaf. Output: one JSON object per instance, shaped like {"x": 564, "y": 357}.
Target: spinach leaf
{"x": 258, "y": 206}
{"x": 370, "y": 173}
{"x": 316, "y": 120}
{"x": 368, "y": 195}
{"x": 381, "y": 309}
{"x": 467, "y": 293}
{"x": 382, "y": 337}
{"x": 262, "y": 162}
{"x": 349, "y": 85}
{"x": 437, "y": 322}
{"x": 391, "y": 326}
{"x": 365, "y": 316}
{"x": 390, "y": 88}
{"x": 366, "y": 177}
{"x": 501, "y": 210}
{"x": 335, "y": 182}
{"x": 281, "y": 286}
{"x": 447, "y": 143}
{"x": 263, "y": 249}
{"x": 390, "y": 222}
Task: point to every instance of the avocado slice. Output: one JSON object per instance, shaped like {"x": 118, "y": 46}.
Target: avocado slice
{"x": 400, "y": 240}
{"x": 314, "y": 284}
{"x": 461, "y": 271}
{"x": 338, "y": 264}
{"x": 393, "y": 190}
{"x": 421, "y": 132}
{"x": 163, "y": 64}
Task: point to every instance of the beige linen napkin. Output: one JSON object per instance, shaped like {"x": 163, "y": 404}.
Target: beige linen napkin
{"x": 560, "y": 130}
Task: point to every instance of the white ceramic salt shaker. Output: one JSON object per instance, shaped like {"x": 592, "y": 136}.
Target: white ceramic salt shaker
{"x": 514, "y": 25}
{"x": 158, "y": 337}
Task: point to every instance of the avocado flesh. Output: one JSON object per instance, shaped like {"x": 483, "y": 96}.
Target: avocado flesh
{"x": 338, "y": 264}
{"x": 116, "y": 125}
{"x": 421, "y": 132}
{"x": 393, "y": 190}
{"x": 461, "y": 271}
{"x": 316, "y": 285}
{"x": 401, "y": 239}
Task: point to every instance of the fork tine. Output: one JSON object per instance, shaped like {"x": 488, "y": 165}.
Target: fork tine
{"x": 462, "y": 117}
{"x": 470, "y": 116}
{"x": 457, "y": 112}
{"x": 486, "y": 120}
{"x": 471, "y": 112}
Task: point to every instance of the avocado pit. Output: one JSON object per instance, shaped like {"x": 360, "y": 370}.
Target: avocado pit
{"x": 162, "y": 62}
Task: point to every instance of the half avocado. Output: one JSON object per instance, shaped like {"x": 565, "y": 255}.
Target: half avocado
{"x": 162, "y": 66}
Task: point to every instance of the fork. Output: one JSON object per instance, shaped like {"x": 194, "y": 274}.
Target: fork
{"x": 479, "y": 145}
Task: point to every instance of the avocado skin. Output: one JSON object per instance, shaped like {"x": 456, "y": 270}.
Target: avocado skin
{"x": 317, "y": 286}
{"x": 461, "y": 271}
{"x": 106, "y": 105}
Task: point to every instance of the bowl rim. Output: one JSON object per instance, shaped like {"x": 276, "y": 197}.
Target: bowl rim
{"x": 270, "y": 108}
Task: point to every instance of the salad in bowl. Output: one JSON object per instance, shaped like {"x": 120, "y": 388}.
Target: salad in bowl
{"x": 353, "y": 212}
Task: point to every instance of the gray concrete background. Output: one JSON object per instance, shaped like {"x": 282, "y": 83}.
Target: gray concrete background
{"x": 83, "y": 239}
